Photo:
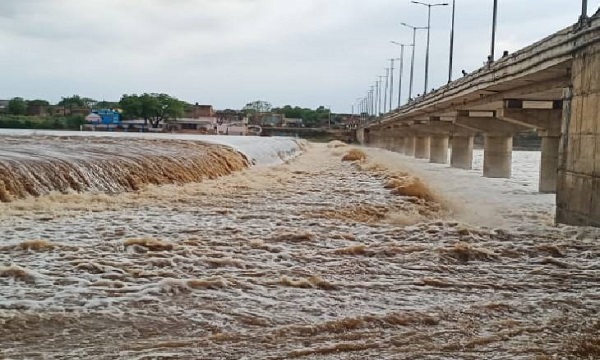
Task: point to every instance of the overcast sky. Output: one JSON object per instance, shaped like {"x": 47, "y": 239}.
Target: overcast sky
{"x": 230, "y": 52}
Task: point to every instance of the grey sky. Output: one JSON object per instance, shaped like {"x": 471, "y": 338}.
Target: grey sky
{"x": 230, "y": 52}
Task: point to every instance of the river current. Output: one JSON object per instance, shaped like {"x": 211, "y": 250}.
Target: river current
{"x": 314, "y": 258}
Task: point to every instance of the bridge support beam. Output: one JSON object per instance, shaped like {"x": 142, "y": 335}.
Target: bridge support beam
{"x": 397, "y": 143}
{"x": 410, "y": 145}
{"x": 462, "y": 152}
{"x": 379, "y": 138}
{"x": 549, "y": 164}
{"x": 362, "y": 136}
{"x": 578, "y": 192}
{"x": 497, "y": 158}
{"x": 388, "y": 140}
{"x": 439, "y": 149}
{"x": 422, "y": 146}
{"x": 548, "y": 122}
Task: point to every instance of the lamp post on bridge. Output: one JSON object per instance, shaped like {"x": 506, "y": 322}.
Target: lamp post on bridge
{"x": 412, "y": 61}
{"x": 400, "y": 70}
{"x": 359, "y": 106}
{"x": 584, "y": 8}
{"x": 392, "y": 61}
{"x": 376, "y": 101}
{"x": 379, "y": 97}
{"x": 429, "y": 6}
{"x": 370, "y": 107}
{"x": 451, "y": 42}
{"x": 385, "y": 93}
{"x": 494, "y": 21}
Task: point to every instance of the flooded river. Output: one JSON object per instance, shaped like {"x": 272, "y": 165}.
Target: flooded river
{"x": 314, "y": 258}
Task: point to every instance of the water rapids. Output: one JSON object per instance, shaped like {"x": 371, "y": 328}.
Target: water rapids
{"x": 312, "y": 259}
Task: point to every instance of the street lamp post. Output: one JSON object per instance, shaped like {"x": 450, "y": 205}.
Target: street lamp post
{"x": 385, "y": 94}
{"x": 400, "y": 70}
{"x": 429, "y": 6}
{"x": 376, "y": 102}
{"x": 379, "y": 97}
{"x": 391, "y": 82}
{"x": 359, "y": 106}
{"x": 494, "y": 20}
{"x": 451, "y": 42}
{"x": 412, "y": 61}
{"x": 371, "y": 101}
{"x": 584, "y": 7}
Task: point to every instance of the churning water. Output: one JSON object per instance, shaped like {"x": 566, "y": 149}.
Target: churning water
{"x": 313, "y": 258}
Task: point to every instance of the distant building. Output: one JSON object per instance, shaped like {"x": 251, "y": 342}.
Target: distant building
{"x": 349, "y": 121}
{"x": 197, "y": 111}
{"x": 93, "y": 119}
{"x": 37, "y": 110}
{"x": 108, "y": 116}
{"x": 59, "y": 110}
{"x": 200, "y": 124}
{"x": 272, "y": 120}
{"x": 230, "y": 116}
{"x": 293, "y": 122}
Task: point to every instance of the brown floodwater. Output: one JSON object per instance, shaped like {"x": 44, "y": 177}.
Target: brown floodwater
{"x": 313, "y": 259}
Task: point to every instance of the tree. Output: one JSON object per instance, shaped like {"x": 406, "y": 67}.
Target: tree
{"x": 73, "y": 101}
{"x": 17, "y": 106}
{"x": 153, "y": 108}
{"x": 257, "y": 106}
{"x": 310, "y": 117}
{"x": 106, "y": 105}
{"x": 38, "y": 102}
{"x": 89, "y": 103}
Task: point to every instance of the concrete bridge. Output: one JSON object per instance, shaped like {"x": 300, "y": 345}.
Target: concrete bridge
{"x": 552, "y": 87}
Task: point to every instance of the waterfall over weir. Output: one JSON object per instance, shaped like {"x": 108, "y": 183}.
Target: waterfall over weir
{"x": 35, "y": 165}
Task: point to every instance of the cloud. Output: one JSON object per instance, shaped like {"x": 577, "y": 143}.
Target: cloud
{"x": 230, "y": 52}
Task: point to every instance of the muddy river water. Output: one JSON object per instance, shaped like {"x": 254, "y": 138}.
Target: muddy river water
{"x": 315, "y": 258}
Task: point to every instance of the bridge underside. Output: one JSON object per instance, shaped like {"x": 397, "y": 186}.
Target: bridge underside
{"x": 551, "y": 87}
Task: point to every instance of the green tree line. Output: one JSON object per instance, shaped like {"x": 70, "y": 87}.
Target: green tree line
{"x": 153, "y": 108}
{"x": 310, "y": 117}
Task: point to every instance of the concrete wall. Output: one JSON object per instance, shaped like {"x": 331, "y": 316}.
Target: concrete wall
{"x": 578, "y": 196}
{"x": 362, "y": 136}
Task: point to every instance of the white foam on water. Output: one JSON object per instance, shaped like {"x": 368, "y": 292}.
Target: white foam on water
{"x": 259, "y": 150}
{"x": 274, "y": 262}
{"x": 510, "y": 203}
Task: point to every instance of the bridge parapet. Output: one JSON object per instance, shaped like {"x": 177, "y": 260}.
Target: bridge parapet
{"x": 539, "y": 71}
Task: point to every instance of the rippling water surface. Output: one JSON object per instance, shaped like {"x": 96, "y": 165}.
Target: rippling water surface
{"x": 315, "y": 258}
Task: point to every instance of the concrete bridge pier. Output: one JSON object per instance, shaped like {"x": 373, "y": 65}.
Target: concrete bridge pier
{"x": 439, "y": 149}
{"x": 497, "y": 157}
{"x": 410, "y": 145}
{"x": 549, "y": 164}
{"x": 462, "y": 152}
{"x": 400, "y": 144}
{"x": 388, "y": 140}
{"x": 392, "y": 141}
{"x": 548, "y": 122}
{"x": 422, "y": 146}
{"x": 578, "y": 196}
{"x": 378, "y": 139}
{"x": 362, "y": 136}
